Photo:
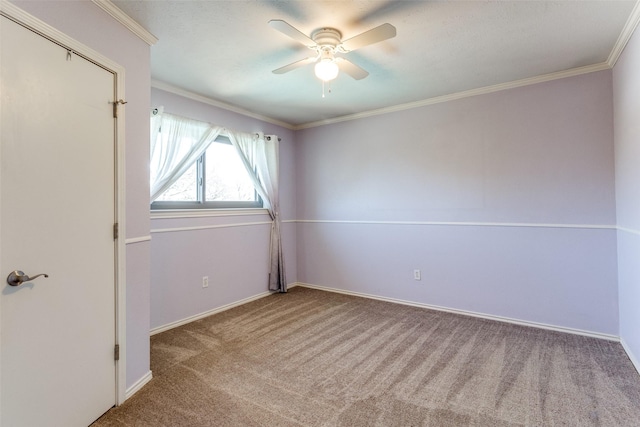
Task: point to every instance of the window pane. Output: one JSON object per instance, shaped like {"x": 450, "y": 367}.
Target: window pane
{"x": 184, "y": 189}
{"x": 226, "y": 176}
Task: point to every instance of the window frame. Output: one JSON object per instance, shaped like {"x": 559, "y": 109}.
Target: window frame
{"x": 201, "y": 191}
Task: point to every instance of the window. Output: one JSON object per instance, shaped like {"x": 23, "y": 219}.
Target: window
{"x": 218, "y": 179}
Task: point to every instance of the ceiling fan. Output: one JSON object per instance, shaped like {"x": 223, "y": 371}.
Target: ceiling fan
{"x": 327, "y": 44}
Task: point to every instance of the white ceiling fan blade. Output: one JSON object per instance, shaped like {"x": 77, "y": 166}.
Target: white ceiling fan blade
{"x": 294, "y": 65}
{"x": 292, "y": 32}
{"x": 352, "y": 69}
{"x": 374, "y": 35}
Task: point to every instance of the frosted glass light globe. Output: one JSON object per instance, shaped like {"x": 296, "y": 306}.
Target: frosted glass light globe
{"x": 326, "y": 70}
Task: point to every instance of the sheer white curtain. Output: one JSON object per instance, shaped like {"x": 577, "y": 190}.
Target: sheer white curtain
{"x": 259, "y": 154}
{"x": 176, "y": 143}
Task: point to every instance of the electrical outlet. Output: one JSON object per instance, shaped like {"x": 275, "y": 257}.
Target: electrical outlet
{"x": 205, "y": 281}
{"x": 417, "y": 275}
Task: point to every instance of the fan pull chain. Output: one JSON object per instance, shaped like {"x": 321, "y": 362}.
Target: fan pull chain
{"x": 329, "y": 90}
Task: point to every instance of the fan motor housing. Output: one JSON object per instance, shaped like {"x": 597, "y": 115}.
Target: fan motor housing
{"x": 326, "y": 37}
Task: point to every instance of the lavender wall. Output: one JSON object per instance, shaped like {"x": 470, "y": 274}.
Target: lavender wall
{"x": 88, "y": 24}
{"x": 230, "y": 250}
{"x": 529, "y": 172}
{"x": 626, "y": 95}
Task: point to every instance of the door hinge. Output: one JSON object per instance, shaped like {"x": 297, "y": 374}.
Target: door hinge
{"x": 115, "y": 231}
{"x": 115, "y": 107}
{"x": 116, "y": 352}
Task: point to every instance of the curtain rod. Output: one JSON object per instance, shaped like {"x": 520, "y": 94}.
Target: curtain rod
{"x": 155, "y": 112}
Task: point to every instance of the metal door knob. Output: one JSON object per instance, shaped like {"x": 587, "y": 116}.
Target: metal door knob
{"x": 17, "y": 277}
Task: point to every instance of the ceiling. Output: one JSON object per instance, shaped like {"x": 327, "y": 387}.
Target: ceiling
{"x": 225, "y": 50}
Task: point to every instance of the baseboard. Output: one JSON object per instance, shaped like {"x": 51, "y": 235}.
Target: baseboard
{"x": 207, "y": 313}
{"x": 632, "y": 357}
{"x": 468, "y": 313}
{"x": 138, "y": 385}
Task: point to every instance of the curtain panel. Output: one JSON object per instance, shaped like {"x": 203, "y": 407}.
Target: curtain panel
{"x": 260, "y": 156}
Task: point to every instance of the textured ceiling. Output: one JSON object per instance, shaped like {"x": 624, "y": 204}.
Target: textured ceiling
{"x": 225, "y": 50}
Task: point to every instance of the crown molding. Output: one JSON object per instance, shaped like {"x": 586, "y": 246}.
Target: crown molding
{"x": 126, "y": 20}
{"x": 465, "y": 94}
{"x": 625, "y": 35}
{"x": 395, "y": 108}
{"x": 157, "y": 84}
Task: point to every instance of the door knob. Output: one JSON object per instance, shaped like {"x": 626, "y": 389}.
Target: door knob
{"x": 17, "y": 277}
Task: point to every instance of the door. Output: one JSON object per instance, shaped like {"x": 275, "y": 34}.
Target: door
{"x": 57, "y": 210}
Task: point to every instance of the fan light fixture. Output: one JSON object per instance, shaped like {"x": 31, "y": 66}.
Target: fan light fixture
{"x": 326, "y": 70}
{"x": 329, "y": 47}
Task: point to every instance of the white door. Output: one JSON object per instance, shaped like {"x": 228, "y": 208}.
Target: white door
{"x": 57, "y": 199}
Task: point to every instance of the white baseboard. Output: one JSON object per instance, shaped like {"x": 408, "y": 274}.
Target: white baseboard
{"x": 212, "y": 311}
{"x": 138, "y": 385}
{"x": 207, "y": 313}
{"x": 468, "y": 313}
{"x": 632, "y": 357}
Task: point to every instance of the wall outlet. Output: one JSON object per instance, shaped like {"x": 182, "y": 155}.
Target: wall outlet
{"x": 417, "y": 275}
{"x": 205, "y": 281}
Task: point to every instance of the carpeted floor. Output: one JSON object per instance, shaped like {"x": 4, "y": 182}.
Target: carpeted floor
{"x": 313, "y": 358}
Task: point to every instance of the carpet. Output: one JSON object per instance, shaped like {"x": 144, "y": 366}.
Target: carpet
{"x": 315, "y": 358}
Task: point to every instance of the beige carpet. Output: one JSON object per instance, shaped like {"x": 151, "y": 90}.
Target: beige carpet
{"x": 313, "y": 358}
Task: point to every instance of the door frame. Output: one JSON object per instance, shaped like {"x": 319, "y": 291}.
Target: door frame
{"x": 23, "y": 18}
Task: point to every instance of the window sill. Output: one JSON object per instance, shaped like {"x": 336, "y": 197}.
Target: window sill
{"x": 199, "y": 213}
